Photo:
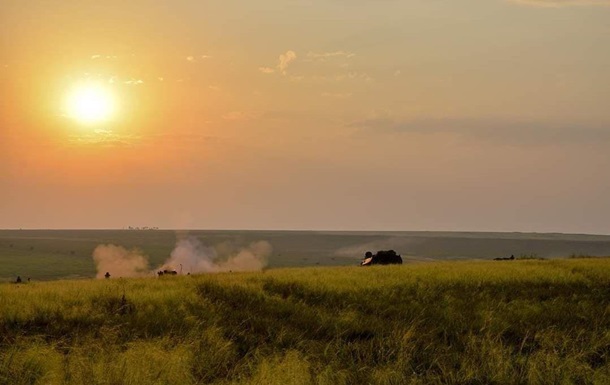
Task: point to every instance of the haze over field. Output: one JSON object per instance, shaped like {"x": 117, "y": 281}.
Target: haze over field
{"x": 363, "y": 115}
{"x": 60, "y": 254}
{"x": 189, "y": 255}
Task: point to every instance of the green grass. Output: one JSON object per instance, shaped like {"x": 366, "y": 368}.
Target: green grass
{"x": 61, "y": 254}
{"x": 529, "y": 321}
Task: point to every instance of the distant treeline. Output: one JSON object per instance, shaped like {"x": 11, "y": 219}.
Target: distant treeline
{"x": 142, "y": 228}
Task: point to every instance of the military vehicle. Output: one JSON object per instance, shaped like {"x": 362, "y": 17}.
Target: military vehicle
{"x": 382, "y": 257}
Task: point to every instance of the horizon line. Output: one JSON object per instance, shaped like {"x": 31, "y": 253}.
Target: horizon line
{"x": 144, "y": 228}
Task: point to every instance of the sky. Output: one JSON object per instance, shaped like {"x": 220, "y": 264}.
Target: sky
{"x": 465, "y": 115}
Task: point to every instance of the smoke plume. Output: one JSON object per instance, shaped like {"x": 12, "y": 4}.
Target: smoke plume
{"x": 120, "y": 261}
{"x": 195, "y": 257}
{"x": 189, "y": 256}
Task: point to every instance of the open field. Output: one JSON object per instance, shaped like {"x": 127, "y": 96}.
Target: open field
{"x": 528, "y": 321}
{"x": 59, "y": 254}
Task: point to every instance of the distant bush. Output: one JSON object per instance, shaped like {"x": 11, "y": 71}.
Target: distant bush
{"x": 530, "y": 257}
{"x": 580, "y": 256}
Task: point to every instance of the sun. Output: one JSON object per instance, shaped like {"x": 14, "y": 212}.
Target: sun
{"x": 90, "y": 103}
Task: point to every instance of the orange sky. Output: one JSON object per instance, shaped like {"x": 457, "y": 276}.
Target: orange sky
{"x": 394, "y": 115}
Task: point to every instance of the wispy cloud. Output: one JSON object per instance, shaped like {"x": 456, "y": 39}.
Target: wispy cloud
{"x": 562, "y": 3}
{"x": 354, "y": 75}
{"x": 181, "y": 138}
{"x": 502, "y": 131}
{"x": 323, "y": 56}
{"x": 104, "y": 138}
{"x": 242, "y": 115}
{"x": 284, "y": 61}
{"x": 196, "y": 58}
{"x": 337, "y": 77}
{"x": 100, "y": 57}
{"x": 266, "y": 70}
{"x": 134, "y": 82}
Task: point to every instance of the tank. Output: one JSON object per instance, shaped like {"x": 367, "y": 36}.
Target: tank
{"x": 382, "y": 257}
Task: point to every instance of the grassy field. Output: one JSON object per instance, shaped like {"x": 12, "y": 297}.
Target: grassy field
{"x": 517, "y": 322}
{"x": 60, "y": 254}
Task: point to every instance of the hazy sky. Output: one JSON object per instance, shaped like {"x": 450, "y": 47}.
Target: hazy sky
{"x": 489, "y": 115}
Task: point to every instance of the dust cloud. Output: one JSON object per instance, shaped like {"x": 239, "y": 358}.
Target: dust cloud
{"x": 117, "y": 259}
{"x": 189, "y": 255}
{"x": 195, "y": 257}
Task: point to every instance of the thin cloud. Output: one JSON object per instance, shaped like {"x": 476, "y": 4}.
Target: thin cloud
{"x": 104, "y": 138}
{"x": 508, "y": 132}
{"x": 241, "y": 115}
{"x": 338, "y": 77}
{"x": 134, "y": 81}
{"x": 354, "y": 76}
{"x": 196, "y": 58}
{"x": 107, "y": 57}
{"x": 285, "y": 60}
{"x": 175, "y": 138}
{"x": 562, "y": 3}
{"x": 266, "y": 70}
{"x": 323, "y": 56}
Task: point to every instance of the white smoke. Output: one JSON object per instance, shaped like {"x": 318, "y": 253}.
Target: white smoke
{"x": 189, "y": 256}
{"x": 195, "y": 257}
{"x": 119, "y": 261}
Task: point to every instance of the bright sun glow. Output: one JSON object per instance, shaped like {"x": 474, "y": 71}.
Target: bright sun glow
{"x": 90, "y": 103}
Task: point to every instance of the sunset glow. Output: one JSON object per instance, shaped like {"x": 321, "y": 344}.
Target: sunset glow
{"x": 90, "y": 103}
{"x": 366, "y": 115}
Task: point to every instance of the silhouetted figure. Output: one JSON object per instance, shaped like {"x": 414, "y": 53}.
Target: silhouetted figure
{"x": 107, "y": 275}
{"x": 512, "y": 257}
{"x": 18, "y": 279}
{"x": 29, "y": 279}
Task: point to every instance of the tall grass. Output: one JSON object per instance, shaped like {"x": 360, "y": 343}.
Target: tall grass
{"x": 530, "y": 321}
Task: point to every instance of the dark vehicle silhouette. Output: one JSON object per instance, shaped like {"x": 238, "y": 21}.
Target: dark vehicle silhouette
{"x": 382, "y": 257}
{"x": 166, "y": 272}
